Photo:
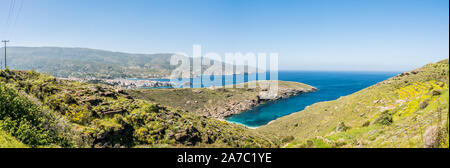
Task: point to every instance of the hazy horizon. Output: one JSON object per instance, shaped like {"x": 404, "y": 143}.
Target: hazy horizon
{"x": 280, "y": 68}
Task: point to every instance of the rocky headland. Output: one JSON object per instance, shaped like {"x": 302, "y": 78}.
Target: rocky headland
{"x": 219, "y": 102}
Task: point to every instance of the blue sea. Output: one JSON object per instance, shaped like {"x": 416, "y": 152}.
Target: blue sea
{"x": 331, "y": 85}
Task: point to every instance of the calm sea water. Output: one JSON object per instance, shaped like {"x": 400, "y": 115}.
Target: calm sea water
{"x": 331, "y": 85}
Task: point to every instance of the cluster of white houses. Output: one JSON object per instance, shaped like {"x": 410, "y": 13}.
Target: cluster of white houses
{"x": 126, "y": 83}
{"x": 132, "y": 83}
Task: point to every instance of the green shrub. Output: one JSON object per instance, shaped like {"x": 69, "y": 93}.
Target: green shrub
{"x": 365, "y": 124}
{"x": 287, "y": 139}
{"x": 24, "y": 120}
{"x": 436, "y": 92}
{"x": 341, "y": 127}
{"x": 385, "y": 118}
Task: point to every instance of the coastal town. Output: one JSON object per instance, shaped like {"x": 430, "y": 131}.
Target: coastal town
{"x": 138, "y": 83}
{"x": 127, "y": 83}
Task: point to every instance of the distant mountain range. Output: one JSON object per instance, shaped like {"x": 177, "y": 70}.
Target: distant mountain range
{"x": 92, "y": 63}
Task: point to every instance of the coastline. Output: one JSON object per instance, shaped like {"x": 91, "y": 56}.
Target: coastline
{"x": 219, "y": 102}
{"x": 284, "y": 92}
{"x": 273, "y": 100}
{"x": 246, "y": 126}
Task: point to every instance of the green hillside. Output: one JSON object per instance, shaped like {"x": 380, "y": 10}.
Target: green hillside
{"x": 83, "y": 62}
{"x": 42, "y": 111}
{"x": 409, "y": 110}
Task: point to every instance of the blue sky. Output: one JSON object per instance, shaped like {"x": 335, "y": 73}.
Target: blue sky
{"x": 369, "y": 35}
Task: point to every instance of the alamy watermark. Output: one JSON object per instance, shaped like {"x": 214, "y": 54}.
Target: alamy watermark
{"x": 262, "y": 67}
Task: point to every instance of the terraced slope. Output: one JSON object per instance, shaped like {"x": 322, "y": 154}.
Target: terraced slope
{"x": 42, "y": 111}
{"x": 409, "y": 110}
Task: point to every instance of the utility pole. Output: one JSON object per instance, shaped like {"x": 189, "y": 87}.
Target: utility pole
{"x": 5, "y": 41}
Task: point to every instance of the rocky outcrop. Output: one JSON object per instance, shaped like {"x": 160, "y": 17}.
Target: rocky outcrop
{"x": 431, "y": 137}
{"x": 287, "y": 92}
{"x": 231, "y": 108}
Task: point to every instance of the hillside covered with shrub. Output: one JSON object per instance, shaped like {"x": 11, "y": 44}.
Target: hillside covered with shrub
{"x": 407, "y": 111}
{"x": 37, "y": 110}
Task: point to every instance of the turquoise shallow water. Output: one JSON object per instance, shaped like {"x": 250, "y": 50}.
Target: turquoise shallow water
{"x": 331, "y": 85}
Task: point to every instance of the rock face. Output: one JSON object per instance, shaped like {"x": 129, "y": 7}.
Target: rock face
{"x": 232, "y": 108}
{"x": 287, "y": 92}
{"x": 431, "y": 137}
{"x": 236, "y": 107}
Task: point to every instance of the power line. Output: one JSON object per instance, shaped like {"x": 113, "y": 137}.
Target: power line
{"x": 15, "y": 20}
{"x": 10, "y": 15}
{"x": 11, "y": 9}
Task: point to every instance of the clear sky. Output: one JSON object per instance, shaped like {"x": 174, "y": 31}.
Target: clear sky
{"x": 380, "y": 35}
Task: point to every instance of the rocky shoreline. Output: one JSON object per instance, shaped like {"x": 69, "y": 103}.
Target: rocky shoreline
{"x": 236, "y": 107}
